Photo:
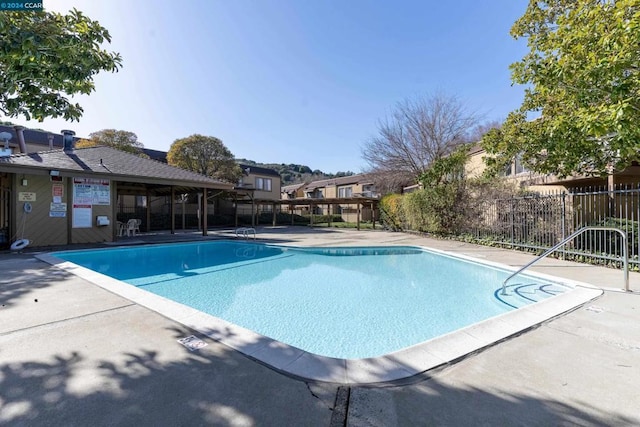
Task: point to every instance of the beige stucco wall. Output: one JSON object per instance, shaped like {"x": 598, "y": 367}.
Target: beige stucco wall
{"x": 475, "y": 166}
{"x": 274, "y": 194}
{"x": 43, "y": 230}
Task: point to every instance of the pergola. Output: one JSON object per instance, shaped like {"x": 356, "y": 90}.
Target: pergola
{"x": 247, "y": 196}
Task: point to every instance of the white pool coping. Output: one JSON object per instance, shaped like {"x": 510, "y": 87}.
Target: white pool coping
{"x": 401, "y": 364}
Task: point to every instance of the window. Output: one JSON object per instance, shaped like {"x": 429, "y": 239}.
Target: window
{"x": 519, "y": 167}
{"x": 515, "y": 167}
{"x": 263, "y": 184}
{"x": 344, "y": 192}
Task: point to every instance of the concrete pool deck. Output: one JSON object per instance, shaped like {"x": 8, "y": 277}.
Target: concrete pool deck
{"x": 72, "y": 353}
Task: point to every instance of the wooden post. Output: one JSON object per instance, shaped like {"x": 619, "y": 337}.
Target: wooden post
{"x": 291, "y": 210}
{"x": 273, "y": 211}
{"x": 205, "y": 226}
{"x": 329, "y": 213}
{"x": 358, "y": 216}
{"x": 253, "y": 218}
{"x": 114, "y": 211}
{"x": 172, "y": 210}
{"x": 69, "y": 184}
{"x": 148, "y": 196}
{"x": 310, "y": 214}
{"x": 373, "y": 215}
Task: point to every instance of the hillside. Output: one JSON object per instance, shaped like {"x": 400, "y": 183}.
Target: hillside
{"x": 293, "y": 174}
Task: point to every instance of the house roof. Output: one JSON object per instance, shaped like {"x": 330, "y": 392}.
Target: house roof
{"x": 475, "y": 149}
{"x": 109, "y": 163}
{"x": 257, "y": 170}
{"x": 344, "y": 180}
{"x": 292, "y": 188}
{"x": 34, "y": 136}
{"x": 160, "y": 156}
{"x": 40, "y": 137}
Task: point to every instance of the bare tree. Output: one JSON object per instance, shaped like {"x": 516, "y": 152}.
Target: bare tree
{"x": 418, "y": 132}
{"x": 480, "y": 130}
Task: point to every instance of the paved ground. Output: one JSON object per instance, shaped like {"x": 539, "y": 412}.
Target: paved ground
{"x": 72, "y": 353}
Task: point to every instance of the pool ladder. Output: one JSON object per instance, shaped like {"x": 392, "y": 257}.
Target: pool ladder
{"x": 625, "y": 256}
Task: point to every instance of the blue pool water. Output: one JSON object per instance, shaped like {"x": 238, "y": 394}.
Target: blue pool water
{"x": 339, "y": 302}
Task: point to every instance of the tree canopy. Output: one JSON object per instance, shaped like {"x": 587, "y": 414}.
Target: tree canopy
{"x": 206, "y": 155}
{"x": 418, "y": 132}
{"x": 119, "y": 139}
{"x": 46, "y": 57}
{"x": 581, "y": 108}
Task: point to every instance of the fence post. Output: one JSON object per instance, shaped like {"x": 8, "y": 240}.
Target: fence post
{"x": 563, "y": 216}
{"x": 512, "y": 221}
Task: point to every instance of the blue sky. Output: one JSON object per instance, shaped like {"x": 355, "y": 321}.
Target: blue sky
{"x": 301, "y": 81}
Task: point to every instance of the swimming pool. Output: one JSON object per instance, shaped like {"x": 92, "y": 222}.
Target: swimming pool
{"x": 321, "y": 304}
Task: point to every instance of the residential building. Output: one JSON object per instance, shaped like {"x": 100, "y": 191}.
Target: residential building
{"x": 348, "y": 196}
{"x": 517, "y": 172}
{"x": 293, "y": 191}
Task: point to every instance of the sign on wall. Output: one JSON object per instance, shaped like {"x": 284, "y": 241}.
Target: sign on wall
{"x": 57, "y": 190}
{"x": 81, "y": 216}
{"x": 91, "y": 191}
{"x": 25, "y": 196}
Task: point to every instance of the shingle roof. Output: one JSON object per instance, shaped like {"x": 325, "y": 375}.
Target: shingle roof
{"x": 34, "y": 136}
{"x": 258, "y": 170}
{"x": 344, "y": 180}
{"x": 158, "y": 155}
{"x": 292, "y": 187}
{"x": 110, "y": 163}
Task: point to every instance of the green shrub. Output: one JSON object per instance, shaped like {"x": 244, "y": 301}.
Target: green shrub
{"x": 391, "y": 214}
{"x": 438, "y": 209}
{"x": 318, "y": 219}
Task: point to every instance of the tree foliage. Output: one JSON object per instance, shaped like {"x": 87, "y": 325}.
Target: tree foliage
{"x": 418, "y": 132}
{"x": 206, "y": 155}
{"x": 46, "y": 57}
{"x": 391, "y": 211}
{"x": 582, "y": 72}
{"x": 445, "y": 170}
{"x": 119, "y": 139}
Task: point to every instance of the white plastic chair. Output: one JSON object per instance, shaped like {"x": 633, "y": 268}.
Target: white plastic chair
{"x": 121, "y": 228}
{"x": 133, "y": 226}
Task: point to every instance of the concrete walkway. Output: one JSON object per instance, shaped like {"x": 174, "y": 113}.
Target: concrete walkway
{"x": 72, "y": 353}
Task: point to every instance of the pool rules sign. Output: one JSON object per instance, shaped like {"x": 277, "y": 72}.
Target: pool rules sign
{"x": 88, "y": 192}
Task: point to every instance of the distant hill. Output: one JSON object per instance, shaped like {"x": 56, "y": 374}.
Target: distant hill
{"x": 294, "y": 174}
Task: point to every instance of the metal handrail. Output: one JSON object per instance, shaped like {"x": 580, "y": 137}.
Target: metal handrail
{"x": 625, "y": 256}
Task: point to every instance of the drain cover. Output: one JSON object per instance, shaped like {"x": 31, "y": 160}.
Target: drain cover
{"x": 192, "y": 342}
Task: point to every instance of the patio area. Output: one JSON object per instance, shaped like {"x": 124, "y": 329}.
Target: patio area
{"x": 72, "y": 353}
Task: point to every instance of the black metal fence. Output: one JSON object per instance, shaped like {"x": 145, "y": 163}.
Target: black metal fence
{"x": 538, "y": 222}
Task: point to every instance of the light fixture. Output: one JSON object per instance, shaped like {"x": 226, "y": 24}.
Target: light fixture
{"x": 54, "y": 173}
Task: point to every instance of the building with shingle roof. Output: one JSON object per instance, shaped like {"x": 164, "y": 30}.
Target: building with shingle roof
{"x": 66, "y": 196}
